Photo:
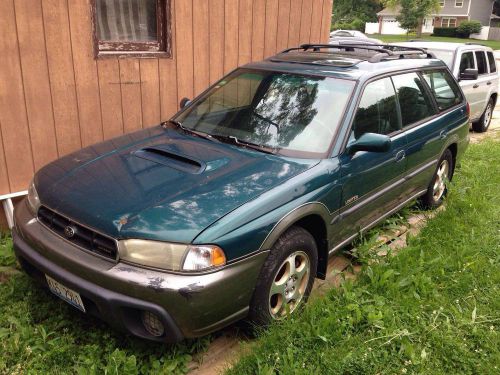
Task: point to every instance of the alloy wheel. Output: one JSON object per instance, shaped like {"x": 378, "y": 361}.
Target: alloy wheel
{"x": 487, "y": 116}
{"x": 442, "y": 177}
{"x": 289, "y": 284}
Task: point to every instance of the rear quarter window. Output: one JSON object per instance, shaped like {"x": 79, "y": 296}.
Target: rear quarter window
{"x": 492, "y": 62}
{"x": 444, "y": 88}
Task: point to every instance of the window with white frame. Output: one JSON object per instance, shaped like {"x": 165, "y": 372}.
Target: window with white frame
{"x": 441, "y": 3}
{"x": 459, "y": 3}
{"x": 449, "y": 22}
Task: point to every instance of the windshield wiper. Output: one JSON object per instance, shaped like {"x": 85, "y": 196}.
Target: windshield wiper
{"x": 234, "y": 140}
{"x": 179, "y": 125}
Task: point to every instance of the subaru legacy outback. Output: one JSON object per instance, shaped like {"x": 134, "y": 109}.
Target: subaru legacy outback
{"x": 231, "y": 209}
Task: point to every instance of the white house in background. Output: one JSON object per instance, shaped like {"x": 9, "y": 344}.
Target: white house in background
{"x": 451, "y": 14}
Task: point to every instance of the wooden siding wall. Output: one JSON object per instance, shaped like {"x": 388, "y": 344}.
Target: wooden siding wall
{"x": 55, "y": 97}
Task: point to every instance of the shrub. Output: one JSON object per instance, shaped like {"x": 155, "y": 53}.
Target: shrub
{"x": 445, "y": 31}
{"x": 355, "y": 24}
{"x": 468, "y": 27}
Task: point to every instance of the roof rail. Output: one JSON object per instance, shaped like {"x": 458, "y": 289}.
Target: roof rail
{"x": 475, "y": 44}
{"x": 384, "y": 51}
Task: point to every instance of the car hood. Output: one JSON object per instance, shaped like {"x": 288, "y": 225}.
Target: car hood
{"x": 159, "y": 183}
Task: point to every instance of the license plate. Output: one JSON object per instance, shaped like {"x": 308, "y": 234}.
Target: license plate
{"x": 65, "y": 293}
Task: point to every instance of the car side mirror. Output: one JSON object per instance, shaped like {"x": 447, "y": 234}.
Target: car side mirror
{"x": 184, "y": 102}
{"x": 371, "y": 142}
{"x": 468, "y": 74}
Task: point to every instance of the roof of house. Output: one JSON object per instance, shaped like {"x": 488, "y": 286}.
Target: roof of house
{"x": 390, "y": 11}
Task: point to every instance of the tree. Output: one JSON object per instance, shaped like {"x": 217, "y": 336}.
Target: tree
{"x": 413, "y": 12}
{"x": 353, "y": 14}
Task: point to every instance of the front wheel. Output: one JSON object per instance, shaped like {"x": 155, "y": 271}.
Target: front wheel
{"x": 484, "y": 122}
{"x": 286, "y": 278}
{"x": 437, "y": 189}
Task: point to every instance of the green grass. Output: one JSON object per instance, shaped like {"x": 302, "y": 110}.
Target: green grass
{"x": 432, "y": 308}
{"x": 495, "y": 44}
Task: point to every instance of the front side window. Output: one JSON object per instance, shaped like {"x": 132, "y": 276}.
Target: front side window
{"x": 444, "y": 88}
{"x": 377, "y": 111}
{"x": 481, "y": 63}
{"x": 290, "y": 114}
{"x": 414, "y": 101}
{"x": 492, "y": 62}
{"x": 132, "y": 26}
{"x": 466, "y": 62}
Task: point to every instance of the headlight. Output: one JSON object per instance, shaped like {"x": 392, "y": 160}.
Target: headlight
{"x": 33, "y": 200}
{"x": 171, "y": 256}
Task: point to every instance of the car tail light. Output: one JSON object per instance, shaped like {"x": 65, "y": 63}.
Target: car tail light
{"x": 467, "y": 109}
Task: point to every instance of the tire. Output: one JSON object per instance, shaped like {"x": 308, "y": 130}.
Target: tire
{"x": 484, "y": 121}
{"x": 437, "y": 189}
{"x": 295, "y": 250}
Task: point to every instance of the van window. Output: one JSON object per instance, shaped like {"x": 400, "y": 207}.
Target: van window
{"x": 414, "y": 101}
{"x": 481, "y": 62}
{"x": 492, "y": 62}
{"x": 444, "y": 88}
{"x": 467, "y": 61}
{"x": 377, "y": 111}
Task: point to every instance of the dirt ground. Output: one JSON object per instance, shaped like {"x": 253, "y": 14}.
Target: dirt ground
{"x": 227, "y": 346}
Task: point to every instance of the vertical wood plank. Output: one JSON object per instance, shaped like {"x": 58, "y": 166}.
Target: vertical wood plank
{"x": 216, "y": 16}
{"x": 316, "y": 21}
{"x": 130, "y": 82}
{"x": 327, "y": 20}
{"x": 167, "y": 70}
{"x": 111, "y": 97}
{"x": 305, "y": 21}
{"x": 184, "y": 48}
{"x": 62, "y": 76}
{"x": 150, "y": 92}
{"x": 271, "y": 27}
{"x": 230, "y": 35}
{"x": 13, "y": 119}
{"x": 87, "y": 87}
{"x": 245, "y": 32}
{"x": 36, "y": 81}
{"x": 201, "y": 45}
{"x": 283, "y": 24}
{"x": 259, "y": 25}
{"x": 294, "y": 27}
{"x": 4, "y": 174}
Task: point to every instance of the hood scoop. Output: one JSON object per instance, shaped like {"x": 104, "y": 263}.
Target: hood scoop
{"x": 171, "y": 159}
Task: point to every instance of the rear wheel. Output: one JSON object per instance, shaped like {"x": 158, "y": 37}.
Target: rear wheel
{"x": 437, "y": 189}
{"x": 286, "y": 278}
{"x": 484, "y": 122}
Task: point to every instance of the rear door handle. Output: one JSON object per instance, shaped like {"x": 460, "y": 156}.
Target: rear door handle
{"x": 488, "y": 83}
{"x": 400, "y": 155}
{"x": 475, "y": 86}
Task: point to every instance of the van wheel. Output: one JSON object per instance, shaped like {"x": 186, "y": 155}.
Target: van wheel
{"x": 286, "y": 278}
{"x": 484, "y": 122}
{"x": 439, "y": 184}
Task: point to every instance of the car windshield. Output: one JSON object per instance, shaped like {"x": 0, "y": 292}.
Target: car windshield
{"x": 446, "y": 56}
{"x": 290, "y": 114}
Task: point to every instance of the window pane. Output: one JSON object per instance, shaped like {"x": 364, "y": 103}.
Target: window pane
{"x": 377, "y": 112}
{"x": 294, "y": 113}
{"x": 414, "y": 102}
{"x": 491, "y": 60}
{"x": 466, "y": 61}
{"x": 126, "y": 20}
{"x": 444, "y": 88}
{"x": 481, "y": 63}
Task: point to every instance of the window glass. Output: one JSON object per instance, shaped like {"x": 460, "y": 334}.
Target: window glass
{"x": 481, "y": 62}
{"x": 491, "y": 60}
{"x": 377, "y": 111}
{"x": 294, "y": 114}
{"x": 125, "y": 20}
{"x": 459, "y": 3}
{"x": 467, "y": 61}
{"x": 414, "y": 101}
{"x": 446, "y": 56}
{"x": 444, "y": 88}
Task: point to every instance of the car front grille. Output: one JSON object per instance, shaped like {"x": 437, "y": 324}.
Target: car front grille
{"x": 77, "y": 234}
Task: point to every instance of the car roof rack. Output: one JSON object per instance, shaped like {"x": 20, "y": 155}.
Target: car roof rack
{"x": 475, "y": 44}
{"x": 384, "y": 52}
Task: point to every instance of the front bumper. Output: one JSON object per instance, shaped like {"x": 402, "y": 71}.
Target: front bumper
{"x": 188, "y": 305}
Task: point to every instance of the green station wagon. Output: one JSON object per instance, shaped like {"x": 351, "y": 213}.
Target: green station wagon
{"x": 231, "y": 209}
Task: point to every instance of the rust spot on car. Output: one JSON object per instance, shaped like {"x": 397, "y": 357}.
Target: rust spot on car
{"x": 155, "y": 283}
{"x": 188, "y": 291}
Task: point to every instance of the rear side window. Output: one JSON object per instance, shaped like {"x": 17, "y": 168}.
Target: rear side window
{"x": 444, "y": 88}
{"x": 491, "y": 60}
{"x": 466, "y": 61}
{"x": 414, "y": 100}
{"x": 481, "y": 62}
{"x": 377, "y": 111}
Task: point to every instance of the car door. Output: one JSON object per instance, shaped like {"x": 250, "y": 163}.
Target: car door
{"x": 483, "y": 82}
{"x": 371, "y": 181}
{"x": 470, "y": 87}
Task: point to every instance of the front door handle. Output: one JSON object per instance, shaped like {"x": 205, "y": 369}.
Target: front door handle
{"x": 400, "y": 155}
{"x": 488, "y": 83}
{"x": 475, "y": 86}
